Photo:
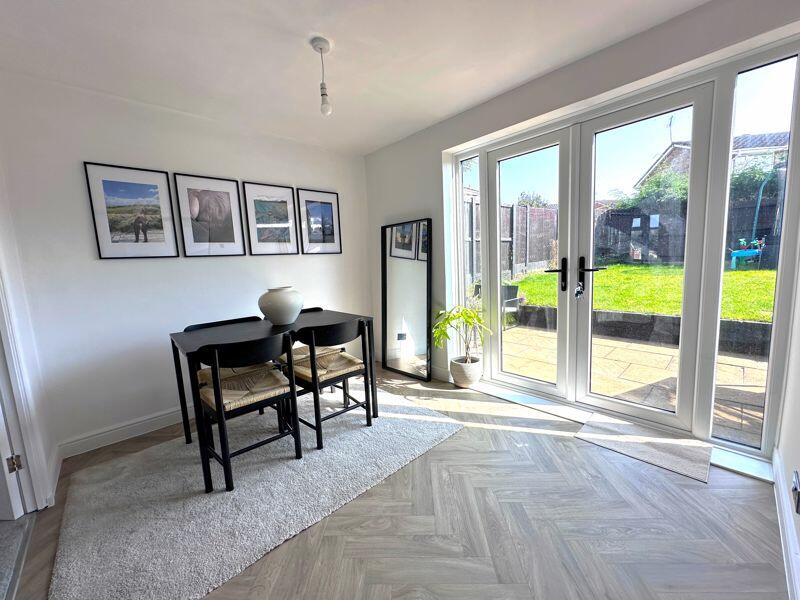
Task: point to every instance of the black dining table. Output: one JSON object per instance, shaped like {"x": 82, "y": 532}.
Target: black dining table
{"x": 189, "y": 342}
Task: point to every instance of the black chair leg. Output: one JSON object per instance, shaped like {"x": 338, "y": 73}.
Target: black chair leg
{"x": 317, "y": 418}
{"x": 368, "y": 397}
{"x": 225, "y": 451}
{"x": 346, "y": 392}
{"x": 298, "y": 448}
{"x": 209, "y": 430}
{"x": 280, "y": 407}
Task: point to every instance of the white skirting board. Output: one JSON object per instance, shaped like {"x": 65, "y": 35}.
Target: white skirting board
{"x": 789, "y": 540}
{"x": 106, "y": 436}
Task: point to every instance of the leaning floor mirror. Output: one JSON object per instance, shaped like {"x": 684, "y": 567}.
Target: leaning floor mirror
{"x": 406, "y": 292}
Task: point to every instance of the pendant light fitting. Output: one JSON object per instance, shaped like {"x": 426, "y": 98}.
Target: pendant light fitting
{"x": 323, "y": 47}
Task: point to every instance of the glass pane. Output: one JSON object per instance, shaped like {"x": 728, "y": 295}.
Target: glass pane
{"x": 528, "y": 192}
{"x": 471, "y": 220}
{"x": 757, "y": 185}
{"x": 641, "y": 194}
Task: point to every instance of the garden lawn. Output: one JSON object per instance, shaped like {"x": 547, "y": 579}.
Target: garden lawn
{"x": 747, "y": 295}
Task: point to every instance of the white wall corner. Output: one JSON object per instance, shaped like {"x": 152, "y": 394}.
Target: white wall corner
{"x": 53, "y": 473}
{"x": 789, "y": 541}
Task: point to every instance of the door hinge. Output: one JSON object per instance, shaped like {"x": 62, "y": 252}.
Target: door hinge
{"x": 14, "y": 463}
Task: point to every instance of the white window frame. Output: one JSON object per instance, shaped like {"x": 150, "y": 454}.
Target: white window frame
{"x": 722, "y": 74}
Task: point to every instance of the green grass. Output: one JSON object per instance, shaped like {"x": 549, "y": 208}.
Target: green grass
{"x": 746, "y": 295}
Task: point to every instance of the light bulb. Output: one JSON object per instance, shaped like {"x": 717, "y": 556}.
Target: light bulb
{"x": 325, "y": 106}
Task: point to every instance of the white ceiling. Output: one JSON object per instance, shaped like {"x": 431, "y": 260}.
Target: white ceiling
{"x": 396, "y": 67}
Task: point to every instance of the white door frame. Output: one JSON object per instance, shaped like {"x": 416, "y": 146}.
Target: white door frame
{"x": 34, "y": 481}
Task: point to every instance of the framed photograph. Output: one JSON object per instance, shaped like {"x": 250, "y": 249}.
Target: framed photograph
{"x": 211, "y": 215}
{"x": 404, "y": 241}
{"x": 132, "y": 212}
{"x": 320, "y": 231}
{"x": 422, "y": 241}
{"x": 271, "y": 218}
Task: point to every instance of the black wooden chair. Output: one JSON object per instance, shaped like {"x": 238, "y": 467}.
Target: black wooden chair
{"x": 256, "y": 389}
{"x": 204, "y": 375}
{"x": 332, "y": 369}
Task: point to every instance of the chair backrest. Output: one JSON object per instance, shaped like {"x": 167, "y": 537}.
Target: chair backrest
{"x": 311, "y": 309}
{"x": 243, "y": 354}
{"x": 509, "y": 292}
{"x": 330, "y": 335}
{"x": 220, "y": 323}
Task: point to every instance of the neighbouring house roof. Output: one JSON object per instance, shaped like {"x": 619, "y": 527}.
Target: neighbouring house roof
{"x": 752, "y": 141}
{"x": 677, "y": 154}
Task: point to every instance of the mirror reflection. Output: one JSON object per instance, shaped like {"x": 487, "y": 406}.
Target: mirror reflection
{"x": 406, "y": 298}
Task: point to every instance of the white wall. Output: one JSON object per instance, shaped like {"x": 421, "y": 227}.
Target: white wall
{"x": 404, "y": 180}
{"x": 99, "y": 327}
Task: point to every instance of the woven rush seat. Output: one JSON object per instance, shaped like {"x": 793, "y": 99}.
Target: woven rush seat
{"x": 329, "y": 366}
{"x": 302, "y": 352}
{"x": 246, "y": 388}
{"x": 204, "y": 375}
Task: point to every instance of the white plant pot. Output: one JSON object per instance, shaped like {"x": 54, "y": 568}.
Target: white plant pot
{"x": 466, "y": 374}
{"x": 281, "y": 305}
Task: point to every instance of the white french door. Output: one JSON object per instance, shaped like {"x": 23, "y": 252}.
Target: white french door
{"x": 528, "y": 270}
{"x": 636, "y": 344}
{"x": 602, "y": 194}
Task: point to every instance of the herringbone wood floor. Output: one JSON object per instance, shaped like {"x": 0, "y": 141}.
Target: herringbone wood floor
{"x": 511, "y": 507}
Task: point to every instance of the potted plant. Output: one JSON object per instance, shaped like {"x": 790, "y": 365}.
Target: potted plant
{"x": 468, "y": 323}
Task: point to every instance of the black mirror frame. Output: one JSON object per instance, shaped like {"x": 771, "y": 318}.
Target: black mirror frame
{"x": 429, "y": 282}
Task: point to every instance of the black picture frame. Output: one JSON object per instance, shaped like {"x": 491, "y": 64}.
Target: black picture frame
{"x": 165, "y": 174}
{"x": 410, "y": 254}
{"x": 293, "y": 211}
{"x": 387, "y": 230}
{"x": 305, "y": 246}
{"x": 238, "y": 204}
{"x": 427, "y": 241}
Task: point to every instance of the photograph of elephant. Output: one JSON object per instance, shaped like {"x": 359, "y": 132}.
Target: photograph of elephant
{"x": 211, "y": 215}
{"x": 134, "y": 212}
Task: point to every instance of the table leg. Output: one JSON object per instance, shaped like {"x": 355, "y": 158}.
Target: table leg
{"x": 373, "y": 384}
{"x": 198, "y": 419}
{"x": 176, "y": 357}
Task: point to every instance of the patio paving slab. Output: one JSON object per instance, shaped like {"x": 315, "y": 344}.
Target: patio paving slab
{"x": 646, "y": 374}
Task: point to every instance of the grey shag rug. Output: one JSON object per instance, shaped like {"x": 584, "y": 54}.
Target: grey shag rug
{"x": 141, "y": 527}
{"x": 685, "y": 455}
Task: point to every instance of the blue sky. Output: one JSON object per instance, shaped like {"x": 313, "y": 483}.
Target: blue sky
{"x": 123, "y": 193}
{"x": 762, "y": 104}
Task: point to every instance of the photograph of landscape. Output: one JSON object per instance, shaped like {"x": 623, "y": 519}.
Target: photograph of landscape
{"x": 134, "y": 212}
{"x": 272, "y": 220}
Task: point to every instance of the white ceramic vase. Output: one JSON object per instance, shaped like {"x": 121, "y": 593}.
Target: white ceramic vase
{"x": 466, "y": 374}
{"x": 281, "y": 305}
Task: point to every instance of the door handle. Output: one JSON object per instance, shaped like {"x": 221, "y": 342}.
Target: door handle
{"x": 563, "y": 271}
{"x": 583, "y": 269}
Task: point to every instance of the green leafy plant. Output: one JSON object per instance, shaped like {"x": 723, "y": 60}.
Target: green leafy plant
{"x": 468, "y": 323}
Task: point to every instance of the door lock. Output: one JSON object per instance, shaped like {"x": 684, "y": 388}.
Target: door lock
{"x": 579, "y": 290}
{"x": 582, "y": 270}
